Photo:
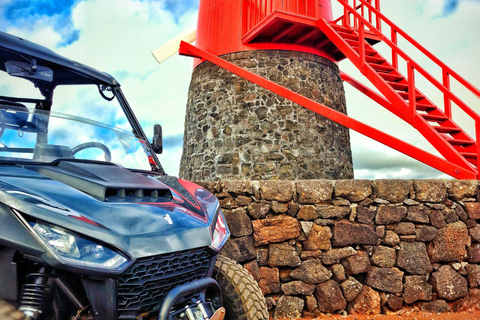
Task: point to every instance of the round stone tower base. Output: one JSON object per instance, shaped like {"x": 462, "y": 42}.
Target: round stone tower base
{"x": 235, "y": 129}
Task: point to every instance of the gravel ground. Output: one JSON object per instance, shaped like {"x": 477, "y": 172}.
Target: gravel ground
{"x": 407, "y": 315}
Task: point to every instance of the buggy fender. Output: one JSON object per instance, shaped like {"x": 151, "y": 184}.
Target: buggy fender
{"x": 14, "y": 235}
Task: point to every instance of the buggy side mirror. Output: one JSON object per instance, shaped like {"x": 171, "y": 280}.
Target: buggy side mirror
{"x": 157, "y": 143}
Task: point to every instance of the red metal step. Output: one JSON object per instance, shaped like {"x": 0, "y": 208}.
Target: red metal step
{"x": 406, "y": 95}
{"x": 431, "y": 117}
{"x": 447, "y": 129}
{"x": 382, "y": 67}
{"x": 457, "y": 142}
{"x": 375, "y": 60}
{"x": 398, "y": 86}
{"x": 391, "y": 77}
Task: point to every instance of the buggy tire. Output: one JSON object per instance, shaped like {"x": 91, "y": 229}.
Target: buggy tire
{"x": 9, "y": 312}
{"x": 242, "y": 297}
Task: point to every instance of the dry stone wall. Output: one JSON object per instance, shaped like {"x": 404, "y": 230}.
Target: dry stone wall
{"x": 356, "y": 246}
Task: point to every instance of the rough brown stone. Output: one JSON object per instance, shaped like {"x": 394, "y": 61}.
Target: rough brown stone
{"x": 353, "y": 189}
{"x": 385, "y": 279}
{"x": 276, "y": 229}
{"x": 437, "y": 306}
{"x": 473, "y": 272}
{"x": 258, "y": 210}
{"x": 236, "y": 187}
{"x": 416, "y": 288}
{"x": 425, "y": 233}
{"x": 475, "y": 233}
{"x": 450, "y": 215}
{"x": 240, "y": 249}
{"x": 390, "y": 214}
{"x": 332, "y": 212}
{"x": 254, "y": 269}
{"x": 356, "y": 264}
{"x": 243, "y": 201}
{"x": 307, "y": 212}
{"x": 293, "y": 209}
{"x": 418, "y": 214}
{"x": 227, "y": 203}
{"x": 461, "y": 213}
{"x": 380, "y": 231}
{"x": 279, "y": 208}
{"x": 329, "y": 297}
{"x": 351, "y": 288}
{"x": 437, "y": 219}
{"x": 270, "y": 302}
{"x": 310, "y": 303}
{"x": 450, "y": 243}
{"x": 413, "y": 258}
{"x": 365, "y": 215}
{"x": 281, "y": 191}
{"x": 366, "y": 303}
{"x": 262, "y": 256}
{"x": 311, "y": 271}
{"x": 288, "y": 308}
{"x": 474, "y": 253}
{"x": 283, "y": 255}
{"x": 318, "y": 238}
{"x": 298, "y": 288}
{"x": 468, "y": 304}
{"x": 430, "y": 190}
{"x": 346, "y": 233}
{"x": 404, "y": 228}
{"x": 461, "y": 189}
{"x": 338, "y": 272}
{"x": 336, "y": 255}
{"x": 391, "y": 238}
{"x": 384, "y": 257}
{"x": 314, "y": 191}
{"x": 393, "y": 302}
{"x": 285, "y": 274}
{"x": 392, "y": 190}
{"x": 269, "y": 280}
{"x": 448, "y": 284}
{"x": 238, "y": 222}
{"x": 305, "y": 255}
{"x": 473, "y": 210}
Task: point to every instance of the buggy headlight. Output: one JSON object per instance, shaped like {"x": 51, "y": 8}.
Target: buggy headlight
{"x": 220, "y": 233}
{"x": 78, "y": 251}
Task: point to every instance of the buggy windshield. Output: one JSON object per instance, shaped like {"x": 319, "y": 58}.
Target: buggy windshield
{"x": 44, "y": 137}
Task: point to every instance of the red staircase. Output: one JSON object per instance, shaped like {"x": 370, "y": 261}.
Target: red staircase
{"x": 352, "y": 36}
{"x": 348, "y": 34}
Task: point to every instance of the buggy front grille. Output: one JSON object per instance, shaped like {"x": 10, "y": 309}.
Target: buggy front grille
{"x": 143, "y": 287}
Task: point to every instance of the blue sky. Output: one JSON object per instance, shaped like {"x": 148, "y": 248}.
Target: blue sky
{"x": 117, "y": 36}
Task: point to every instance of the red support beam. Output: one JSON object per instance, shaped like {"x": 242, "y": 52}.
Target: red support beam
{"x": 397, "y": 144}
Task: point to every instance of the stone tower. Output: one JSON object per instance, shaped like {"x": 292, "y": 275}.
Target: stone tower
{"x": 237, "y": 130}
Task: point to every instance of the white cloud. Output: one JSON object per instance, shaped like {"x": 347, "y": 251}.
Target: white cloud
{"x": 117, "y": 36}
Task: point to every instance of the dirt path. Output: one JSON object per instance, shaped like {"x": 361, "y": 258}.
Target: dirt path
{"x": 407, "y": 315}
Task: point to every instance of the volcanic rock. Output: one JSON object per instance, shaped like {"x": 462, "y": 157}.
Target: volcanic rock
{"x": 385, "y": 279}
{"x": 450, "y": 243}
{"x": 413, "y": 258}
{"x": 448, "y": 283}
{"x": 275, "y": 229}
{"x": 329, "y": 297}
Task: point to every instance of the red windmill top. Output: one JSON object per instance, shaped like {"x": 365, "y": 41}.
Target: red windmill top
{"x": 226, "y": 26}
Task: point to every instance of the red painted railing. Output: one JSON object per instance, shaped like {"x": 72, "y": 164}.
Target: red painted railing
{"x": 255, "y": 11}
{"x": 364, "y": 15}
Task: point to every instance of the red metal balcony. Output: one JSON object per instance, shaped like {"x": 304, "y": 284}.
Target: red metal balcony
{"x": 280, "y": 21}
